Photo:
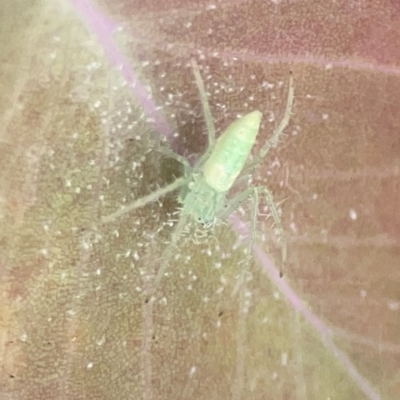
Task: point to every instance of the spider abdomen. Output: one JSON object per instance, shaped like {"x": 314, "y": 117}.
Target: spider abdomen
{"x": 231, "y": 152}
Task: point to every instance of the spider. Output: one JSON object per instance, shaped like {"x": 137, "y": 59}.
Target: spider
{"x": 205, "y": 185}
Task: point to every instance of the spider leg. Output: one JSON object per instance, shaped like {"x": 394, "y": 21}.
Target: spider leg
{"x": 273, "y": 140}
{"x": 144, "y": 200}
{"x": 277, "y": 220}
{"x": 204, "y": 103}
{"x": 255, "y": 191}
{"x": 170, "y": 250}
{"x": 234, "y": 203}
{"x": 207, "y": 113}
{"x": 171, "y": 154}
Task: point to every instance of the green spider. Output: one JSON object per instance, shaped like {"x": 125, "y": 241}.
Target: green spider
{"x": 204, "y": 187}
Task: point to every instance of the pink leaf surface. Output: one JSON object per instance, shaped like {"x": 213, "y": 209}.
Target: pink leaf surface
{"x": 87, "y": 90}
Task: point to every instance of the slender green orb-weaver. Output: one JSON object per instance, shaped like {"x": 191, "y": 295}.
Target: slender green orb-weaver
{"x": 205, "y": 185}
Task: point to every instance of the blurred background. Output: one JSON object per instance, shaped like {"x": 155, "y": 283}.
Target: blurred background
{"x": 88, "y": 89}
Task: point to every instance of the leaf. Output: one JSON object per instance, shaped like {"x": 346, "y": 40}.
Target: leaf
{"x": 83, "y": 105}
